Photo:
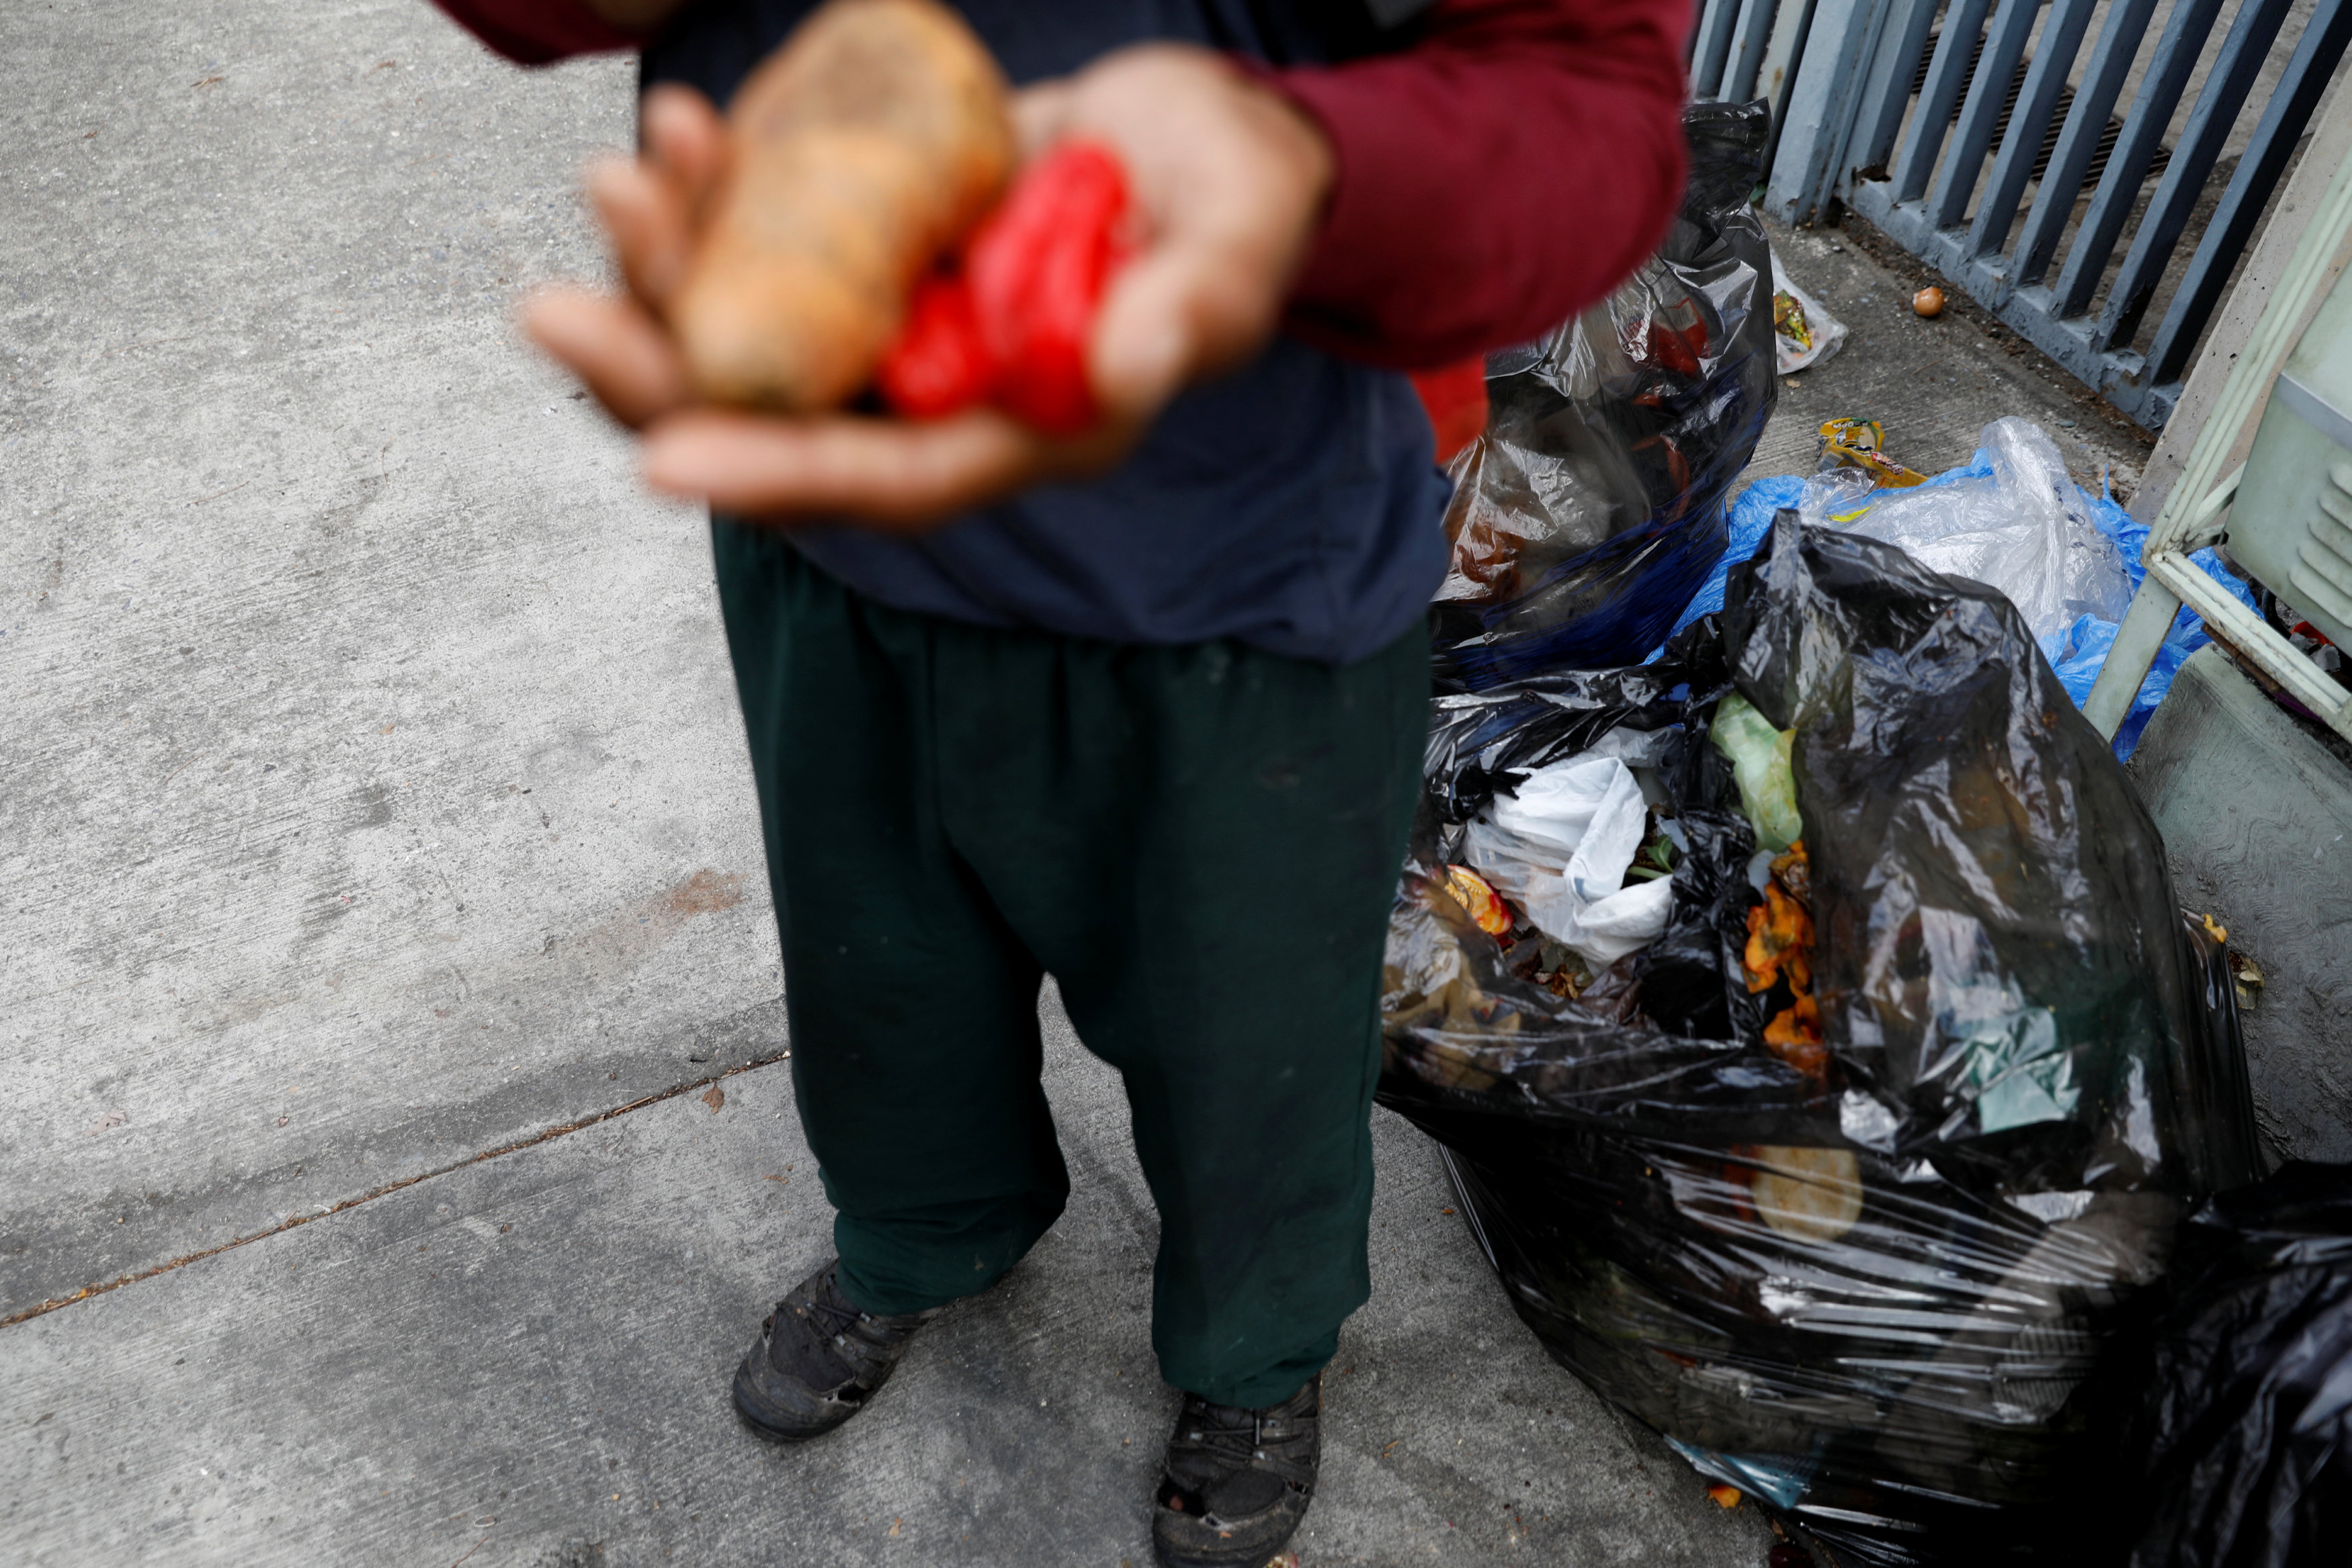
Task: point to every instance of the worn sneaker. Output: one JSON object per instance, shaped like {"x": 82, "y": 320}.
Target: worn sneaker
{"x": 1238, "y": 1482}
{"x": 818, "y": 1361}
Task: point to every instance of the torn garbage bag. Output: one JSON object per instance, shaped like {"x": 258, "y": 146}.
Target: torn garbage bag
{"x": 1592, "y": 505}
{"x": 1848, "y": 1179}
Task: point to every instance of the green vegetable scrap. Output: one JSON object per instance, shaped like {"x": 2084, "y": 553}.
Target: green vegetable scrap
{"x": 1654, "y": 860}
{"x": 1760, "y": 759}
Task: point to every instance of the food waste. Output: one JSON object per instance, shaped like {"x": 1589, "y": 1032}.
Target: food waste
{"x": 1780, "y": 952}
{"x": 1774, "y": 949}
{"x": 873, "y": 232}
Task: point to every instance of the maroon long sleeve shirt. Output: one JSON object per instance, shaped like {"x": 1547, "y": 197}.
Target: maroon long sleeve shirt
{"x": 1504, "y": 169}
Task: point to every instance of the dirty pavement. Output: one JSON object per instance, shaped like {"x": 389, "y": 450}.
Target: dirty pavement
{"x": 402, "y": 1148}
{"x": 398, "y": 1101}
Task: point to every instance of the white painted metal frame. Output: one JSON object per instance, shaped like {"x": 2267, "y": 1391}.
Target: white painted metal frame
{"x": 2193, "y": 512}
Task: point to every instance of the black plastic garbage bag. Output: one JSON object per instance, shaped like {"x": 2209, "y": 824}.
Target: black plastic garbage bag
{"x": 1870, "y": 1284}
{"x": 2246, "y": 1425}
{"x": 1591, "y": 509}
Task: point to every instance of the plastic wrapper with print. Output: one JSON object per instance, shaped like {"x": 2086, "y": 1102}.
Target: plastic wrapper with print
{"x": 1592, "y": 505}
{"x": 1848, "y": 1179}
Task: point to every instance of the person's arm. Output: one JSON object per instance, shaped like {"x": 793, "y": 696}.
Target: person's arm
{"x": 1405, "y": 235}
{"x": 1467, "y": 211}
{"x": 1508, "y": 169}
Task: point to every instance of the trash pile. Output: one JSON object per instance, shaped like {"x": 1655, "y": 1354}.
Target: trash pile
{"x": 1814, "y": 1039}
{"x": 1592, "y": 505}
{"x": 2020, "y": 524}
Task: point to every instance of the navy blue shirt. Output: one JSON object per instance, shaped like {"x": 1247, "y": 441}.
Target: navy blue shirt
{"x": 1292, "y": 505}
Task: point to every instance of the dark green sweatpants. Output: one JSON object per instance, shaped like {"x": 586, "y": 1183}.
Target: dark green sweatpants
{"x": 1199, "y": 843}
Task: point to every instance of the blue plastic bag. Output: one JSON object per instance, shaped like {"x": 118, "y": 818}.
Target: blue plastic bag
{"x": 2082, "y": 651}
{"x": 1751, "y": 521}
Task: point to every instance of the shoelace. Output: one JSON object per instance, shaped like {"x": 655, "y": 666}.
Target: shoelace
{"x": 828, "y": 1319}
{"x": 1214, "y": 1430}
{"x": 1242, "y": 1441}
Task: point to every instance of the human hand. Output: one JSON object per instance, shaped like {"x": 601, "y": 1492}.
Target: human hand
{"x": 1228, "y": 182}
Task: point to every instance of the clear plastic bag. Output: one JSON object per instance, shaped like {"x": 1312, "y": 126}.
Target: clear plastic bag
{"x": 2023, "y": 527}
{"x": 1804, "y": 332}
{"x": 1869, "y": 1278}
{"x": 1592, "y": 505}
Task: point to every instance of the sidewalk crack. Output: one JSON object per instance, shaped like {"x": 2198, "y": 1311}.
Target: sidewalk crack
{"x": 544, "y": 1134}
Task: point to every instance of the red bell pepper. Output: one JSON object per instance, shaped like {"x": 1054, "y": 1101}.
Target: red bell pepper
{"x": 940, "y": 363}
{"x": 1011, "y": 326}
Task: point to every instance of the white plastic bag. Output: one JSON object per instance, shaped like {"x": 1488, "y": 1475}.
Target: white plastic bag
{"x": 1559, "y": 847}
{"x": 2022, "y": 528}
{"x": 1803, "y": 332}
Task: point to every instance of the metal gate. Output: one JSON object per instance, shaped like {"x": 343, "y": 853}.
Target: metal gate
{"x": 1937, "y": 120}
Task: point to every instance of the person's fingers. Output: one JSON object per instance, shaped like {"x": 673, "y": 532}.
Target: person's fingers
{"x": 1227, "y": 180}
{"x": 1040, "y": 113}
{"x": 686, "y": 136}
{"x": 1145, "y": 343}
{"x": 652, "y": 206}
{"x": 889, "y": 474}
{"x": 1188, "y": 308}
{"x": 884, "y": 473}
{"x": 615, "y": 346}
{"x": 647, "y": 217}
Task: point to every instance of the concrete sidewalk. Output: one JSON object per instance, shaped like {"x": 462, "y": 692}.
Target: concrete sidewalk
{"x": 385, "y": 902}
{"x": 375, "y": 793}
{"x": 526, "y": 1360}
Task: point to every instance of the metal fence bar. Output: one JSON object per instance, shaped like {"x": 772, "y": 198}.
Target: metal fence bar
{"x": 2061, "y": 38}
{"x": 1783, "y": 57}
{"x": 2070, "y": 163}
{"x": 1711, "y": 48}
{"x": 2324, "y": 39}
{"x": 1988, "y": 92}
{"x": 1888, "y": 91}
{"x": 1963, "y": 20}
{"x": 1817, "y": 120}
{"x": 1748, "y": 39}
{"x": 2210, "y": 124}
{"x": 1850, "y": 127}
{"x": 1857, "y": 56}
{"x": 2159, "y": 93}
{"x": 1784, "y": 51}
